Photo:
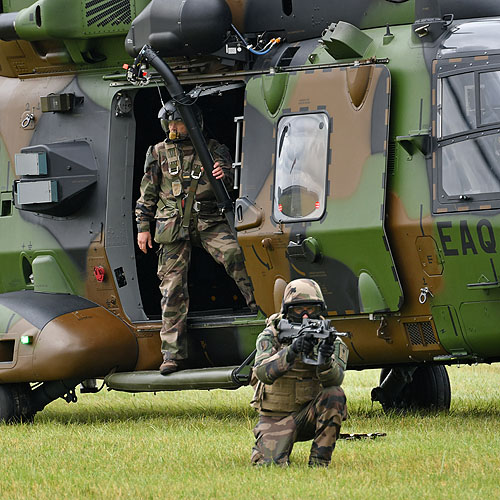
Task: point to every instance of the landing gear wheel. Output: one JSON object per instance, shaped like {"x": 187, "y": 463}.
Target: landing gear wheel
{"x": 15, "y": 403}
{"x": 429, "y": 390}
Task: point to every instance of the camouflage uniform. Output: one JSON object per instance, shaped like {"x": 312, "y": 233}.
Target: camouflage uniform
{"x": 297, "y": 402}
{"x": 167, "y": 180}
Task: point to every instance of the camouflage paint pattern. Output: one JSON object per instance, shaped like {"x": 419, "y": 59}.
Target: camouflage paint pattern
{"x": 384, "y": 234}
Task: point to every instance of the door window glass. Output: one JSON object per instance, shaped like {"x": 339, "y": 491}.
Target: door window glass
{"x": 458, "y": 104}
{"x": 490, "y": 97}
{"x": 301, "y": 163}
{"x": 472, "y": 167}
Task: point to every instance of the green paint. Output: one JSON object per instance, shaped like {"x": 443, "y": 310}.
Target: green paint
{"x": 48, "y": 276}
{"x": 60, "y": 19}
{"x": 353, "y": 234}
{"x": 381, "y": 12}
{"x": 8, "y": 319}
{"x": 97, "y": 89}
{"x": 256, "y": 97}
{"x": 448, "y": 328}
{"x": 16, "y": 5}
{"x": 274, "y": 88}
{"x": 482, "y": 326}
{"x": 346, "y": 41}
{"x": 370, "y": 294}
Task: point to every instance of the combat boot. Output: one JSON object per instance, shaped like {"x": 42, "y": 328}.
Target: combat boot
{"x": 169, "y": 365}
{"x": 318, "y": 462}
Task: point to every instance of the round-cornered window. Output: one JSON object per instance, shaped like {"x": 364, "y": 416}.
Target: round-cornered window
{"x": 301, "y": 167}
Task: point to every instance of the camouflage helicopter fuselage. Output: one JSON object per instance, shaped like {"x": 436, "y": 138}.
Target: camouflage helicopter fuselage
{"x": 357, "y": 144}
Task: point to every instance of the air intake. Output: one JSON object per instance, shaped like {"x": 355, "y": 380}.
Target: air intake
{"x": 421, "y": 334}
{"x": 113, "y": 14}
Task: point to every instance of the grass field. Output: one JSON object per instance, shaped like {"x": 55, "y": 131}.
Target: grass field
{"x": 196, "y": 445}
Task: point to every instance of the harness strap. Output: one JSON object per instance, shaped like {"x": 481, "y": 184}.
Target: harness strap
{"x": 189, "y": 200}
{"x": 174, "y": 169}
{"x": 174, "y": 162}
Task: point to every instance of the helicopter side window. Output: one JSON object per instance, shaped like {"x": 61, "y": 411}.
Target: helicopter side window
{"x": 472, "y": 167}
{"x": 458, "y": 104}
{"x": 301, "y": 167}
{"x": 469, "y": 139}
{"x": 490, "y": 97}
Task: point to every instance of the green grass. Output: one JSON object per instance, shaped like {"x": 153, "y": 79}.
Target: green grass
{"x": 196, "y": 445}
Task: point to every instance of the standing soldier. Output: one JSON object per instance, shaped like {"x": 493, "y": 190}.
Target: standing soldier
{"x": 176, "y": 192}
{"x": 296, "y": 401}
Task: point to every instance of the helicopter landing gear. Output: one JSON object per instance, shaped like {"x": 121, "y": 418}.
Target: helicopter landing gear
{"x": 15, "y": 404}
{"x": 410, "y": 389}
{"x": 19, "y": 402}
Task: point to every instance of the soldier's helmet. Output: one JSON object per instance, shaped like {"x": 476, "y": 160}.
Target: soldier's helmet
{"x": 302, "y": 292}
{"x": 169, "y": 112}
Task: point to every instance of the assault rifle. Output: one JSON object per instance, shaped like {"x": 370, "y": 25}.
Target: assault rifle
{"x": 319, "y": 330}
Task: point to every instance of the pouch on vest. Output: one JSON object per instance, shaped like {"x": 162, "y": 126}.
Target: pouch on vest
{"x": 306, "y": 390}
{"x": 257, "y": 395}
{"x": 176, "y": 187}
{"x": 167, "y": 229}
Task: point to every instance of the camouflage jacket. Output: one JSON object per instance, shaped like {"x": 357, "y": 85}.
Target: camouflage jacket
{"x": 271, "y": 364}
{"x": 157, "y": 198}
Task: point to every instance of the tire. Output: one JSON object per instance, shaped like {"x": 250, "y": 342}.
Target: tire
{"x": 7, "y": 405}
{"x": 15, "y": 403}
{"x": 429, "y": 390}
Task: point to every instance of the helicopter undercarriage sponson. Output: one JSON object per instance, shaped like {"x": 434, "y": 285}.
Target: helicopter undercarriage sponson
{"x": 55, "y": 341}
{"x": 59, "y": 337}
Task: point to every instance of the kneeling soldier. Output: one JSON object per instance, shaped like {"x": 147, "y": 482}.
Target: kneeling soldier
{"x": 297, "y": 401}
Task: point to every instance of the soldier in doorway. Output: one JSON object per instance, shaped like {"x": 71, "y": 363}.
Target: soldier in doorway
{"x": 177, "y": 194}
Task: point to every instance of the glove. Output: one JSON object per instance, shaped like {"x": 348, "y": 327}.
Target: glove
{"x": 304, "y": 343}
{"x": 325, "y": 352}
{"x": 326, "y": 349}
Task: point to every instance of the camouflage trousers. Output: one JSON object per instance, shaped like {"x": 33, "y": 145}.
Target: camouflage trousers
{"x": 173, "y": 266}
{"x": 319, "y": 420}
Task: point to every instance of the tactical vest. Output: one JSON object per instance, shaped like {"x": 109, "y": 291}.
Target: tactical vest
{"x": 177, "y": 174}
{"x": 289, "y": 392}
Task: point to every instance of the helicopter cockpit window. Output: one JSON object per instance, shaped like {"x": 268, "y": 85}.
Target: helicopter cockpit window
{"x": 469, "y": 139}
{"x": 301, "y": 163}
{"x": 471, "y": 167}
{"x": 489, "y": 84}
{"x": 458, "y": 104}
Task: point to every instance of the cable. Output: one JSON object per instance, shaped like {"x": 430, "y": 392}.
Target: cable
{"x": 249, "y": 47}
{"x": 239, "y": 34}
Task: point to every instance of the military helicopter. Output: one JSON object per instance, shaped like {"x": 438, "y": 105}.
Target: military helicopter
{"x": 366, "y": 147}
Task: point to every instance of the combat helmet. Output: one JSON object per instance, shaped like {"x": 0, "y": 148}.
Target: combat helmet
{"x": 302, "y": 291}
{"x": 170, "y": 112}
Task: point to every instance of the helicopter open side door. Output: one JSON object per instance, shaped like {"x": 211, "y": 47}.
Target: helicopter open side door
{"x": 313, "y": 187}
